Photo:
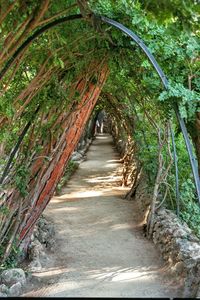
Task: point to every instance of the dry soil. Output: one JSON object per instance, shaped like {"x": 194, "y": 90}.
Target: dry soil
{"x": 100, "y": 248}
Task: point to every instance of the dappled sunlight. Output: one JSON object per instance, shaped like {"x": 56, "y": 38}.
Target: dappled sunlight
{"x": 96, "y": 186}
{"x": 100, "y": 247}
{"x": 121, "y": 226}
{"x": 130, "y": 276}
{"x": 103, "y": 136}
{"x": 101, "y": 179}
{"x": 120, "y": 274}
{"x": 94, "y": 278}
{"x": 105, "y": 225}
{"x": 83, "y": 194}
{"x": 111, "y": 165}
{"x": 108, "y": 192}
{"x": 50, "y": 272}
{"x": 114, "y": 161}
{"x": 67, "y": 209}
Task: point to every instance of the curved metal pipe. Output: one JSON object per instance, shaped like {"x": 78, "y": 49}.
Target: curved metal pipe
{"x": 164, "y": 80}
{"x": 176, "y": 171}
{"x": 31, "y": 38}
{"x": 141, "y": 44}
{"x": 138, "y": 41}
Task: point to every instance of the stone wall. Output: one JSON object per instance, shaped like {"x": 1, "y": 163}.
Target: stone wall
{"x": 12, "y": 281}
{"x": 179, "y": 247}
{"x": 42, "y": 240}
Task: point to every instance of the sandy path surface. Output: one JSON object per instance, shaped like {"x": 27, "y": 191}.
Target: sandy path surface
{"x": 100, "y": 248}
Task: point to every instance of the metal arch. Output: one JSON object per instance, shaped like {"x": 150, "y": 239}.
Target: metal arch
{"x": 164, "y": 80}
{"x": 31, "y": 38}
{"x": 176, "y": 171}
{"x": 136, "y": 39}
{"x": 141, "y": 44}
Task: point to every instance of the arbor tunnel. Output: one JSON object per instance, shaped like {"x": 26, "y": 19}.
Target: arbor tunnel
{"x": 81, "y": 74}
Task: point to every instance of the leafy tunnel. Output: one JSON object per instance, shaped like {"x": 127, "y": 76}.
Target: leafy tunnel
{"x": 54, "y": 79}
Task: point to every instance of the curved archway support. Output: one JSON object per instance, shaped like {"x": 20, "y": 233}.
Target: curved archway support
{"x": 153, "y": 61}
{"x": 31, "y": 38}
{"x": 164, "y": 80}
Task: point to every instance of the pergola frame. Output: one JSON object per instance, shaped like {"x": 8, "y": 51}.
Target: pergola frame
{"x": 153, "y": 61}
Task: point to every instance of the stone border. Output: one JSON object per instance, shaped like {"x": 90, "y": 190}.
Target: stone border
{"x": 12, "y": 282}
{"x": 42, "y": 239}
{"x": 179, "y": 247}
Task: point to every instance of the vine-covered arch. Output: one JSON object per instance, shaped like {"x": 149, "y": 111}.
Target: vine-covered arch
{"x": 162, "y": 76}
{"x": 144, "y": 48}
{"x": 73, "y": 123}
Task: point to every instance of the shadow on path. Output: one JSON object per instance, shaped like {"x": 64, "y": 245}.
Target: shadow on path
{"x": 100, "y": 248}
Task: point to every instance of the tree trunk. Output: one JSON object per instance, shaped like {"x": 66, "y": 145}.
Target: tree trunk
{"x": 56, "y": 167}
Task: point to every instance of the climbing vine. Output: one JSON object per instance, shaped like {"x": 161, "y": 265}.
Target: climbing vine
{"x": 49, "y": 78}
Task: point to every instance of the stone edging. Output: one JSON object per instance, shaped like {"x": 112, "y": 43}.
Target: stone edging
{"x": 180, "y": 248}
{"x": 176, "y": 242}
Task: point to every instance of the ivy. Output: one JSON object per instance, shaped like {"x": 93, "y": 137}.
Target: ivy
{"x": 21, "y": 180}
{"x": 185, "y": 98}
{"x": 50, "y": 67}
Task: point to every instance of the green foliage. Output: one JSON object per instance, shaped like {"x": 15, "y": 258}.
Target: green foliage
{"x": 4, "y": 210}
{"x": 12, "y": 261}
{"x": 70, "y": 169}
{"x": 21, "y": 179}
{"x": 170, "y": 29}
{"x": 185, "y": 98}
{"x": 190, "y": 210}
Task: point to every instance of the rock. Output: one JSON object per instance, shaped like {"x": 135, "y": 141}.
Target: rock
{"x": 35, "y": 248}
{"x": 82, "y": 144}
{"x": 42, "y": 223}
{"x": 46, "y": 232}
{"x": 179, "y": 267}
{"x": 32, "y": 237}
{"x": 12, "y": 276}
{"x": 35, "y": 266}
{"x": 43, "y": 256}
{"x": 177, "y": 244}
{"x": 15, "y": 289}
{"x": 88, "y": 143}
{"x": 51, "y": 281}
{"x": 76, "y": 156}
{"x": 198, "y": 292}
{"x": 29, "y": 276}
{"x": 43, "y": 236}
{"x": 50, "y": 243}
{"x": 51, "y": 230}
{"x": 82, "y": 152}
{"x": 35, "y": 232}
{"x": 4, "y": 288}
{"x": 3, "y": 295}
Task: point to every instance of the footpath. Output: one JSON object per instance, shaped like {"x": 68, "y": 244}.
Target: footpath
{"x": 100, "y": 247}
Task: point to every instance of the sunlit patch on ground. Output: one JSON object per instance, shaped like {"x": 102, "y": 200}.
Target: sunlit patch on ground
{"x": 100, "y": 247}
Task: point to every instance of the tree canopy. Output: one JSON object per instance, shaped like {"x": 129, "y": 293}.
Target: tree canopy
{"x": 41, "y": 69}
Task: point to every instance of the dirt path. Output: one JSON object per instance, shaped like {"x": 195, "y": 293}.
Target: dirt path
{"x": 100, "y": 247}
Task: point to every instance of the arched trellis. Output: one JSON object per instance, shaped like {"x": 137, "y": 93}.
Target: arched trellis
{"x": 153, "y": 61}
{"x": 164, "y": 80}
